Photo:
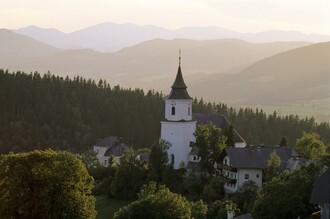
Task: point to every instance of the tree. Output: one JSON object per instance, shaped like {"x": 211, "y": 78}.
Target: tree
{"x": 213, "y": 190}
{"x": 193, "y": 184}
{"x": 173, "y": 179}
{"x": 245, "y": 196}
{"x": 89, "y": 159}
{"x": 129, "y": 178}
{"x": 198, "y": 210}
{"x": 283, "y": 142}
{"x": 158, "y": 159}
{"x": 310, "y": 147}
{"x": 218, "y": 209}
{"x": 45, "y": 184}
{"x": 273, "y": 164}
{"x": 156, "y": 203}
{"x": 287, "y": 195}
{"x": 210, "y": 142}
{"x": 229, "y": 133}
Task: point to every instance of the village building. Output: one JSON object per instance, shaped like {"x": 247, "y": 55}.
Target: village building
{"x": 107, "y": 148}
{"x": 240, "y": 165}
{"x": 321, "y": 194}
{"x": 179, "y": 125}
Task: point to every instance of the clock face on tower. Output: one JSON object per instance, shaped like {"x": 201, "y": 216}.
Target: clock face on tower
{"x": 173, "y": 103}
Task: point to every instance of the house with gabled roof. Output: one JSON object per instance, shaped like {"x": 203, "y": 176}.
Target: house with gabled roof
{"x": 107, "y": 147}
{"x": 239, "y": 165}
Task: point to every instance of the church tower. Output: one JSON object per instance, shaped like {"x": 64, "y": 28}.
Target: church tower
{"x": 178, "y": 126}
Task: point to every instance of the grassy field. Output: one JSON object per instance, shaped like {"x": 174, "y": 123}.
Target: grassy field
{"x": 107, "y": 207}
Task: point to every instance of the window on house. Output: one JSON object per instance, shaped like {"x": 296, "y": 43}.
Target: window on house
{"x": 105, "y": 162}
{"x": 225, "y": 161}
{"x": 247, "y": 176}
{"x": 195, "y": 157}
{"x": 189, "y": 111}
{"x": 173, "y": 110}
{"x": 231, "y": 175}
{"x": 257, "y": 175}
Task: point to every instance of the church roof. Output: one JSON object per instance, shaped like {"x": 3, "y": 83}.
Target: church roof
{"x": 219, "y": 120}
{"x": 179, "y": 88}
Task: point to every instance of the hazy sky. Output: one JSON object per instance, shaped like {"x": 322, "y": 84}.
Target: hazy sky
{"x": 309, "y": 16}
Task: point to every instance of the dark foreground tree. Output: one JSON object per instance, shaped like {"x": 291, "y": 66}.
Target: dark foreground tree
{"x": 246, "y": 196}
{"x": 45, "y": 184}
{"x": 157, "y": 203}
{"x": 129, "y": 178}
{"x": 288, "y": 195}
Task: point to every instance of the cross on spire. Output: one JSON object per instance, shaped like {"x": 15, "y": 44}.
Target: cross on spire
{"x": 179, "y": 56}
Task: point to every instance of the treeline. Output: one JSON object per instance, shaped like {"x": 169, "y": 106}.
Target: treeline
{"x": 48, "y": 111}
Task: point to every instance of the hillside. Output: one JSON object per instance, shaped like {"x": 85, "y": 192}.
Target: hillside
{"x": 12, "y": 44}
{"x": 39, "y": 112}
{"x": 295, "y": 75}
{"x": 111, "y": 37}
{"x": 136, "y": 66}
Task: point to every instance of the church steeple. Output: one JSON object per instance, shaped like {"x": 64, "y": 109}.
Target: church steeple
{"x": 179, "y": 88}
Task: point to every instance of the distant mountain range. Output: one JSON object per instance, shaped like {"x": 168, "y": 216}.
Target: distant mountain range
{"x": 260, "y": 73}
{"x": 137, "y": 65}
{"x": 109, "y": 37}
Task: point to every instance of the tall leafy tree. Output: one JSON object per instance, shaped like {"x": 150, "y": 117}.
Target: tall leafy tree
{"x": 273, "y": 164}
{"x": 158, "y": 159}
{"x": 229, "y": 133}
{"x": 210, "y": 142}
{"x": 45, "y": 184}
{"x": 287, "y": 195}
{"x": 310, "y": 147}
{"x": 129, "y": 178}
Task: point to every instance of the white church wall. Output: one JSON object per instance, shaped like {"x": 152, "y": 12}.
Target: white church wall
{"x": 179, "y": 134}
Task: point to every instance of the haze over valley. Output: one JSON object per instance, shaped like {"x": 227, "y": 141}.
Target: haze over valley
{"x": 271, "y": 69}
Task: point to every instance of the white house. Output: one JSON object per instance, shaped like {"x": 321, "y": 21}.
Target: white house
{"x": 179, "y": 125}
{"x": 240, "y": 165}
{"x": 107, "y": 147}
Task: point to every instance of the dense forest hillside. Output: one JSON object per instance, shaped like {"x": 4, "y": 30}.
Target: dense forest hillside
{"x": 72, "y": 113}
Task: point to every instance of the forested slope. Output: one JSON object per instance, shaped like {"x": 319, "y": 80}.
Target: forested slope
{"x": 61, "y": 113}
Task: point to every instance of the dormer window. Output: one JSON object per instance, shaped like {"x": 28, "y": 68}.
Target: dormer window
{"x": 173, "y": 111}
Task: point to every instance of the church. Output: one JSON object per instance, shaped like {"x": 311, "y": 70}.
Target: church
{"x": 179, "y": 125}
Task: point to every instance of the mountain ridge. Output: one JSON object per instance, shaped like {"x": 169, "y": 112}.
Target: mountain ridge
{"x": 111, "y": 37}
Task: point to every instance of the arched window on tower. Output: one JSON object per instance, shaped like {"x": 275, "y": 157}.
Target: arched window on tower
{"x": 189, "y": 111}
{"x": 173, "y": 110}
{"x": 172, "y": 159}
